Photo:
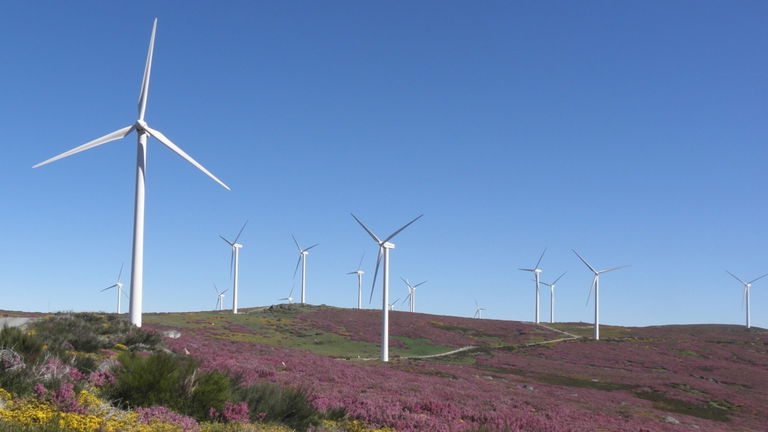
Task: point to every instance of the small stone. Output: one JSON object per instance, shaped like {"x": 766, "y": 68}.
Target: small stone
{"x": 173, "y": 334}
{"x": 670, "y": 419}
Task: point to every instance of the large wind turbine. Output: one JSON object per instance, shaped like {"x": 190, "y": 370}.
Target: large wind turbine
{"x": 412, "y": 294}
{"x": 537, "y": 273}
{"x": 747, "y": 286}
{"x": 359, "y": 274}
{"x": 596, "y": 286}
{"x": 384, "y": 247}
{"x": 552, "y": 296}
{"x": 234, "y": 264}
{"x": 144, "y": 132}
{"x": 303, "y": 261}
{"x": 118, "y": 286}
{"x": 478, "y": 311}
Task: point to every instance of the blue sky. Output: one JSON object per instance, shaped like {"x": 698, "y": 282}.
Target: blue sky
{"x": 633, "y": 132}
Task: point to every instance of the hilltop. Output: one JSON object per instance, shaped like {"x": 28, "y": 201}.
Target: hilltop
{"x": 507, "y": 375}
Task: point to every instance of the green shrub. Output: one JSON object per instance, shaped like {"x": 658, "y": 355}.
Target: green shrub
{"x": 169, "y": 380}
{"x": 29, "y": 346}
{"x": 290, "y": 406}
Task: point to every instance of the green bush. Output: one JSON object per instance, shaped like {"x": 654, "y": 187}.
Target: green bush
{"x": 30, "y": 347}
{"x": 169, "y": 380}
{"x": 290, "y": 406}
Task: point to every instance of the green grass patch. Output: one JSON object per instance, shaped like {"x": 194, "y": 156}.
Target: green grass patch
{"x": 418, "y": 347}
{"x": 712, "y": 410}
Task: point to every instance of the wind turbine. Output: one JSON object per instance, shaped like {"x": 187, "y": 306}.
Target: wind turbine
{"x": 119, "y": 286}
{"x": 552, "y": 296}
{"x": 392, "y": 305}
{"x": 144, "y": 132}
{"x": 478, "y": 311}
{"x": 412, "y": 294}
{"x": 384, "y": 247}
{"x": 219, "y": 297}
{"x": 536, "y": 272}
{"x": 359, "y": 274}
{"x": 303, "y": 261}
{"x": 289, "y": 299}
{"x": 747, "y": 286}
{"x": 596, "y": 286}
{"x": 234, "y": 263}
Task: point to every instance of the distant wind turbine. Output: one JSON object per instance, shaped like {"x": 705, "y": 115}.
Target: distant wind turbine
{"x": 384, "y": 247}
{"x": 747, "y": 286}
{"x": 596, "y": 286}
{"x": 552, "y": 296}
{"x": 234, "y": 264}
{"x": 118, "y": 286}
{"x": 144, "y": 132}
{"x": 412, "y": 294}
{"x": 478, "y": 311}
{"x": 219, "y": 297}
{"x": 289, "y": 299}
{"x": 392, "y": 305}
{"x": 359, "y": 274}
{"x": 537, "y": 274}
{"x": 303, "y": 261}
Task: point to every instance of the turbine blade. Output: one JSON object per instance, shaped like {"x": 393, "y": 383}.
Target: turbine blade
{"x": 297, "y": 242}
{"x": 615, "y": 268}
{"x": 528, "y": 270}
{"x": 120, "y": 133}
{"x": 290, "y": 294}
{"x": 316, "y": 244}
{"x": 403, "y": 227}
{"x": 109, "y": 287}
{"x": 542, "y": 256}
{"x": 755, "y": 280}
{"x": 376, "y": 239}
{"x": 241, "y": 231}
{"x": 224, "y": 291}
{"x": 228, "y": 242}
{"x": 736, "y": 277}
{"x": 591, "y": 287}
{"x": 297, "y": 267}
{"x": 585, "y": 262}
{"x": 406, "y": 281}
{"x": 120, "y": 273}
{"x": 147, "y": 70}
{"x": 215, "y": 288}
{"x": 361, "y": 261}
{"x": 420, "y": 283}
{"x": 354, "y": 272}
{"x": 558, "y": 278}
{"x": 168, "y": 143}
{"x": 375, "y": 273}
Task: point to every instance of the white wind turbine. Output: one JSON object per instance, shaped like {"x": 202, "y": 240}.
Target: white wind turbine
{"x": 392, "y": 305}
{"x": 412, "y": 294}
{"x": 219, "y": 297}
{"x": 596, "y": 286}
{"x": 359, "y": 274}
{"x": 384, "y": 247}
{"x": 303, "y": 261}
{"x": 234, "y": 264}
{"x": 478, "y": 311}
{"x": 747, "y": 286}
{"x": 118, "y": 286}
{"x": 552, "y": 296}
{"x": 144, "y": 132}
{"x": 537, "y": 274}
{"x": 289, "y": 299}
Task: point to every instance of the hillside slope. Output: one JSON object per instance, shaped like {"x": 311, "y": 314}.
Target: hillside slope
{"x": 668, "y": 378}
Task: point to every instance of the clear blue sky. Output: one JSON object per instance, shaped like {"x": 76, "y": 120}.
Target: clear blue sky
{"x": 634, "y": 132}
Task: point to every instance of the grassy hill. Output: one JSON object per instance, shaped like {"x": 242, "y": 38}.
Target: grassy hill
{"x": 510, "y": 375}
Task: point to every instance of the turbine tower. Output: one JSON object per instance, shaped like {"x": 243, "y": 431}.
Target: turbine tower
{"x": 537, "y": 274}
{"x": 234, "y": 264}
{"x": 359, "y": 274}
{"x": 552, "y": 296}
{"x": 596, "y": 286}
{"x": 119, "y": 286}
{"x": 384, "y": 247}
{"x": 219, "y": 297}
{"x": 412, "y": 294}
{"x": 303, "y": 261}
{"x": 747, "y": 286}
{"x": 478, "y": 311}
{"x": 144, "y": 132}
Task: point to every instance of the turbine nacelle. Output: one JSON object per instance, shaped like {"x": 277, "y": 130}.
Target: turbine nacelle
{"x": 388, "y": 245}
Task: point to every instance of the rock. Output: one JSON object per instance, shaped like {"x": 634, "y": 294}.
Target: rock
{"x": 670, "y": 419}
{"x": 173, "y": 334}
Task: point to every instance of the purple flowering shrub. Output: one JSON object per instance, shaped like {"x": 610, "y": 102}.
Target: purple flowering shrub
{"x": 148, "y": 415}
